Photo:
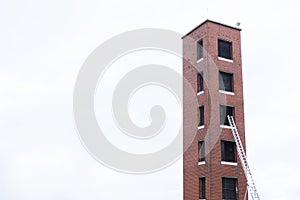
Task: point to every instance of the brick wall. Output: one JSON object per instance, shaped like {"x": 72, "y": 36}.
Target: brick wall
{"x": 212, "y": 133}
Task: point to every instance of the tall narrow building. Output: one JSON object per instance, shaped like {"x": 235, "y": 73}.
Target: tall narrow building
{"x": 212, "y": 65}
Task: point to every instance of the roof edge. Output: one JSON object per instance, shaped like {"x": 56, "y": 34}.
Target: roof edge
{"x": 208, "y": 20}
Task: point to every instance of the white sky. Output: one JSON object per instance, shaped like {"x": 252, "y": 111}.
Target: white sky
{"x": 42, "y": 47}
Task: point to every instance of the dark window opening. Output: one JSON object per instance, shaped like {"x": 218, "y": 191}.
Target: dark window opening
{"x": 226, "y": 81}
{"x": 201, "y": 116}
{"x": 229, "y": 188}
{"x": 201, "y": 150}
{"x": 228, "y": 151}
{"x": 202, "y": 188}
{"x": 224, "y": 112}
{"x": 200, "y": 49}
{"x": 224, "y": 49}
{"x": 200, "y": 82}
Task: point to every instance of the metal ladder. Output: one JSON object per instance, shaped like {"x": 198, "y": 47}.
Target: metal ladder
{"x": 240, "y": 149}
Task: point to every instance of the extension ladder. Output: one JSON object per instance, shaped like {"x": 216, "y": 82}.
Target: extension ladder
{"x": 242, "y": 155}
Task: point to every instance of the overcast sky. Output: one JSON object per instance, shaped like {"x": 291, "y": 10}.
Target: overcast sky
{"x": 42, "y": 47}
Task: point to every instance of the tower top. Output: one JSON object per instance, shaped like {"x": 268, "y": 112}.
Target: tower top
{"x": 214, "y": 22}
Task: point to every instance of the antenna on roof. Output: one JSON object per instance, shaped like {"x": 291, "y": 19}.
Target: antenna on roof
{"x": 207, "y": 17}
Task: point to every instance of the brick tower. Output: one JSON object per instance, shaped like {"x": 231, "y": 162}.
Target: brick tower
{"x": 212, "y": 65}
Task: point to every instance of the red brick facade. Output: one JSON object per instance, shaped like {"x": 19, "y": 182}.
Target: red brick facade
{"x": 212, "y": 133}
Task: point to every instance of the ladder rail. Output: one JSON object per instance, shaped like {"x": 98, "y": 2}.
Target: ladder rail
{"x": 243, "y": 158}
